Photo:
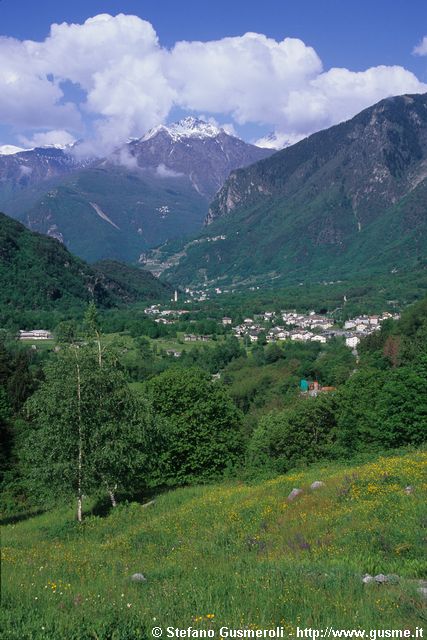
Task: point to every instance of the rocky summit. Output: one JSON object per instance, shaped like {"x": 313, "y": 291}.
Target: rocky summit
{"x": 203, "y": 152}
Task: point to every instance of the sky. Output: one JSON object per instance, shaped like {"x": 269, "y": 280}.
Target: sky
{"x": 107, "y": 71}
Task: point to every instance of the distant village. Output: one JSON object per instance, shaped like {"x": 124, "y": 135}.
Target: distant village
{"x": 273, "y": 326}
{"x": 288, "y": 325}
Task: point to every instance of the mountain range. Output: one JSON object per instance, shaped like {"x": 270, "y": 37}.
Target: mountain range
{"x": 346, "y": 201}
{"x": 147, "y": 191}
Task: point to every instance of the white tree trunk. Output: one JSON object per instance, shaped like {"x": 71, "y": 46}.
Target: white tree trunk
{"x": 80, "y": 446}
{"x": 98, "y": 340}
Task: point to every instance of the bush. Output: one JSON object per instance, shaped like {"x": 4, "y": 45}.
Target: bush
{"x": 295, "y": 436}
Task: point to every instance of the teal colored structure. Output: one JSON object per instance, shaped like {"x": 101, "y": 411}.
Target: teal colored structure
{"x": 304, "y": 386}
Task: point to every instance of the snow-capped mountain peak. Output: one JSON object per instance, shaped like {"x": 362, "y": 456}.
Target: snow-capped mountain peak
{"x": 188, "y": 127}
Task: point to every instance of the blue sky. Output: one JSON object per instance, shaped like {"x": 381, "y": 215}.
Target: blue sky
{"x": 349, "y": 35}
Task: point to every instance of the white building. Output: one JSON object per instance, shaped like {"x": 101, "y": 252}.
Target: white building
{"x": 352, "y": 342}
{"x": 349, "y": 324}
{"x": 318, "y": 338}
{"x": 35, "y": 334}
{"x": 361, "y": 328}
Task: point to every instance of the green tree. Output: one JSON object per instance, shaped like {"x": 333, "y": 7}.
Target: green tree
{"x": 5, "y": 431}
{"x": 87, "y": 431}
{"x": 356, "y": 414}
{"x": 302, "y": 434}
{"x": 66, "y": 332}
{"x": 334, "y": 363}
{"x": 204, "y": 425}
{"x": 383, "y": 409}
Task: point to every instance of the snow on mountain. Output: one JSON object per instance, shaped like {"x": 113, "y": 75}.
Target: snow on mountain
{"x": 276, "y": 141}
{"x": 189, "y": 127}
{"x": 10, "y": 150}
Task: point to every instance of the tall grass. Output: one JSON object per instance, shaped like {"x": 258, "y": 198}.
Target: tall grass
{"x": 225, "y": 555}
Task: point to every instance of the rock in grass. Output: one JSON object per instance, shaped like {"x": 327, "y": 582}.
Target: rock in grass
{"x": 317, "y": 484}
{"x": 422, "y": 591}
{"x": 381, "y": 578}
{"x": 409, "y": 489}
{"x": 138, "y": 577}
{"x": 294, "y": 494}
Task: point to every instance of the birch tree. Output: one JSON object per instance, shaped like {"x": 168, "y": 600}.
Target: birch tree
{"x": 87, "y": 432}
{"x": 93, "y": 330}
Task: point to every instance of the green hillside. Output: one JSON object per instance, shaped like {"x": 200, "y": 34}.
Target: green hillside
{"x": 132, "y": 284}
{"x": 38, "y": 274}
{"x": 267, "y": 242}
{"x": 234, "y": 555}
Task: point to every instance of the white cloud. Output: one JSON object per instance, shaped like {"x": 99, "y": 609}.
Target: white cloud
{"x": 164, "y": 172}
{"x": 28, "y": 98}
{"x": 54, "y": 138}
{"x": 119, "y": 63}
{"x": 131, "y": 83}
{"x": 338, "y": 94}
{"x": 25, "y": 171}
{"x": 421, "y": 49}
{"x": 242, "y": 76}
{"x": 123, "y": 157}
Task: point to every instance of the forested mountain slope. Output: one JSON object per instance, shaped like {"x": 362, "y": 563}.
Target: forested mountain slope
{"x": 347, "y": 200}
{"x": 39, "y": 273}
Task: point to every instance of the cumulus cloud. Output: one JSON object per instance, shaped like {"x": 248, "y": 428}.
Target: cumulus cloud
{"x": 242, "y": 76}
{"x": 118, "y": 62}
{"x": 421, "y": 49}
{"x": 28, "y": 98}
{"x": 54, "y": 138}
{"x": 131, "y": 82}
{"x": 338, "y": 94}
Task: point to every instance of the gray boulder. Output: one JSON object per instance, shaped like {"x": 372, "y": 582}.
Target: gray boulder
{"x": 317, "y": 484}
{"x": 409, "y": 489}
{"x": 367, "y": 578}
{"x": 381, "y": 578}
{"x": 138, "y": 577}
{"x": 294, "y": 494}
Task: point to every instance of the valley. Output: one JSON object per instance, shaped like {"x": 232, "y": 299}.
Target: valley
{"x": 212, "y": 382}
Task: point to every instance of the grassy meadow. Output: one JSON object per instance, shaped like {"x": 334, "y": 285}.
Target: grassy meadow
{"x": 237, "y": 555}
